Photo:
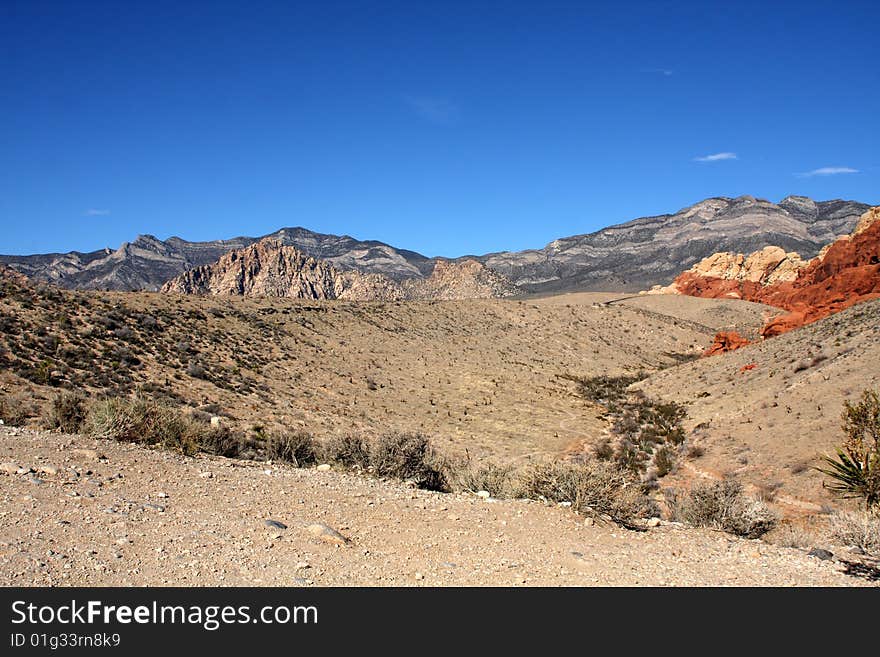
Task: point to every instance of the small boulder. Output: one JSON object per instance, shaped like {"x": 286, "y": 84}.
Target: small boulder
{"x": 326, "y": 533}
{"x": 275, "y": 524}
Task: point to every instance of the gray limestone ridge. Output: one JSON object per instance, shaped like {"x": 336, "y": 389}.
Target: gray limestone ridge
{"x": 268, "y": 268}
{"x": 626, "y": 257}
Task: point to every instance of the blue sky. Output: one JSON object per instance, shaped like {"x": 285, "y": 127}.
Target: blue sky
{"x": 447, "y": 128}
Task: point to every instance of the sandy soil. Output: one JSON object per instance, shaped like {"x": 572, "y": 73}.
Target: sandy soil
{"x": 124, "y": 515}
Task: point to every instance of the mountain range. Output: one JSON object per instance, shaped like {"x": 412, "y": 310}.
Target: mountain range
{"x": 625, "y": 257}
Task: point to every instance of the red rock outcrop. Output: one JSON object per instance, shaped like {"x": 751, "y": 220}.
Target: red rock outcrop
{"x": 725, "y": 341}
{"x": 845, "y": 273}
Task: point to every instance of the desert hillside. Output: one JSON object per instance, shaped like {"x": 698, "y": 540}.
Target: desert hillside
{"x": 765, "y": 411}
{"x": 487, "y": 376}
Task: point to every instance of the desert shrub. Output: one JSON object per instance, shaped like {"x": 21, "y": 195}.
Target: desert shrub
{"x": 855, "y": 470}
{"x": 860, "y": 529}
{"x": 665, "y": 459}
{"x": 592, "y": 488}
{"x": 16, "y": 410}
{"x": 145, "y": 422}
{"x": 196, "y": 370}
{"x": 200, "y": 416}
{"x": 408, "y": 457}
{"x": 603, "y": 450}
{"x": 606, "y": 390}
{"x": 491, "y": 477}
{"x": 66, "y": 412}
{"x": 222, "y": 441}
{"x": 639, "y": 427}
{"x": 298, "y": 448}
{"x": 722, "y": 505}
{"x": 791, "y": 535}
{"x": 350, "y": 450}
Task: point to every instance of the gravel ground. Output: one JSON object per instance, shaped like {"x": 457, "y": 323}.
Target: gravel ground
{"x": 77, "y": 511}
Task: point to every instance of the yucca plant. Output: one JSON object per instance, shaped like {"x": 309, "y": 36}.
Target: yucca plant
{"x": 855, "y": 471}
{"x": 852, "y": 478}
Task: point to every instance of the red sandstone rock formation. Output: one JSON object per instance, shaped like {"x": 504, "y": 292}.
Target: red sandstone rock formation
{"x": 725, "y": 341}
{"x": 845, "y": 273}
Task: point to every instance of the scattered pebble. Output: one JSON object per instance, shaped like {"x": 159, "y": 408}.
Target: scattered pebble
{"x": 819, "y": 553}
{"x": 275, "y": 524}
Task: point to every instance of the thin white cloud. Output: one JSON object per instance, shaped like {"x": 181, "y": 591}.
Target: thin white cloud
{"x": 827, "y": 171}
{"x": 716, "y": 157}
{"x": 665, "y": 72}
{"x": 93, "y": 212}
{"x": 433, "y": 110}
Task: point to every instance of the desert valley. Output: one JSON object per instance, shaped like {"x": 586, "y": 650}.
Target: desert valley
{"x": 647, "y": 404}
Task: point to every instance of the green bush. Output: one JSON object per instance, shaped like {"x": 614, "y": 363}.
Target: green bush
{"x": 855, "y": 470}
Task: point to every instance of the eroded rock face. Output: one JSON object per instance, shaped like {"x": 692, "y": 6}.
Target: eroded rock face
{"x": 725, "y": 341}
{"x": 271, "y": 269}
{"x": 845, "y": 272}
{"x": 464, "y": 279}
{"x": 264, "y": 269}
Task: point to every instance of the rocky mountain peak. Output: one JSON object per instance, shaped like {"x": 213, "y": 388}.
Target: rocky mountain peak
{"x": 265, "y": 268}
{"x": 269, "y": 268}
{"x": 624, "y": 257}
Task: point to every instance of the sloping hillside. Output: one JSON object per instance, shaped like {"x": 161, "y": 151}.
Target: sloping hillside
{"x": 765, "y": 411}
{"x": 482, "y": 375}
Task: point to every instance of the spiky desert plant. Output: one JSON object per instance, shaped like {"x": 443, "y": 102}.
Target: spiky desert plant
{"x": 855, "y": 470}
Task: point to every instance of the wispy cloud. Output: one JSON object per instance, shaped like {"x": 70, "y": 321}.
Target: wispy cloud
{"x": 827, "y": 171}
{"x": 93, "y": 212}
{"x": 434, "y": 110}
{"x": 665, "y": 72}
{"x": 716, "y": 157}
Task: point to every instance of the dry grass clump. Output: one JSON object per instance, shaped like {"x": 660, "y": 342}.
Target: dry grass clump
{"x": 145, "y": 422}
{"x": 860, "y": 529}
{"x": 497, "y": 480}
{"x": 592, "y": 488}
{"x": 791, "y": 535}
{"x": 298, "y": 448}
{"x": 349, "y": 450}
{"x": 722, "y": 505}
{"x": 67, "y": 412}
{"x": 16, "y": 409}
{"x": 222, "y": 441}
{"x": 409, "y": 457}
